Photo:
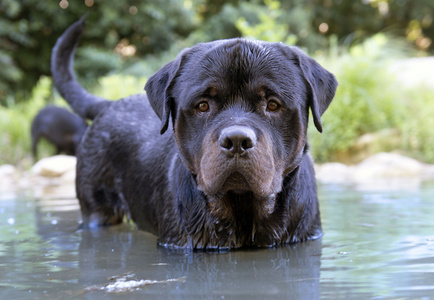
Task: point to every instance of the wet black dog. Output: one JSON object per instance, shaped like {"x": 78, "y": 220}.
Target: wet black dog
{"x": 215, "y": 156}
{"x": 60, "y": 127}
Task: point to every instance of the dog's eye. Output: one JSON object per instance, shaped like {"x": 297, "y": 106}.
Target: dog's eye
{"x": 203, "y": 106}
{"x": 273, "y": 106}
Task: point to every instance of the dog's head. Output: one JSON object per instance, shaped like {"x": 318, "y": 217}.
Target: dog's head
{"x": 240, "y": 112}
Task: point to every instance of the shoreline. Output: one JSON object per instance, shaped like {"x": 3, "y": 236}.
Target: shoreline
{"x": 54, "y": 177}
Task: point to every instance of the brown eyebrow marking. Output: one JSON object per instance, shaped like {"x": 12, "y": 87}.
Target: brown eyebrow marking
{"x": 212, "y": 91}
{"x": 262, "y": 91}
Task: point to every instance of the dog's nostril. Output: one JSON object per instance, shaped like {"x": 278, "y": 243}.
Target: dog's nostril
{"x": 227, "y": 143}
{"x": 247, "y": 144}
{"x": 237, "y": 139}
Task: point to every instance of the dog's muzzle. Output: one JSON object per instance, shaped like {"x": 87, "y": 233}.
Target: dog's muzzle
{"x": 238, "y": 159}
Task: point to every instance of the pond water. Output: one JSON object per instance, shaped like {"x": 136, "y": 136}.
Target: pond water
{"x": 376, "y": 244}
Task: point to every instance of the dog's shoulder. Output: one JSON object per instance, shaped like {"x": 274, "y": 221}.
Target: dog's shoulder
{"x": 133, "y": 111}
{"x": 128, "y": 123}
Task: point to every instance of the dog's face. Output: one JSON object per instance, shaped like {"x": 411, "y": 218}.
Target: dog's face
{"x": 240, "y": 112}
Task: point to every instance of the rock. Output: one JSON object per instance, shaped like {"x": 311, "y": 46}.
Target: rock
{"x": 382, "y": 170}
{"x": 68, "y": 177}
{"x": 8, "y": 177}
{"x": 388, "y": 165}
{"x": 333, "y": 173}
{"x": 54, "y": 166}
{"x": 7, "y": 171}
{"x": 51, "y": 177}
{"x": 429, "y": 172}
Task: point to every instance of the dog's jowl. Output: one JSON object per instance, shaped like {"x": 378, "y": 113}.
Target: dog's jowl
{"x": 214, "y": 155}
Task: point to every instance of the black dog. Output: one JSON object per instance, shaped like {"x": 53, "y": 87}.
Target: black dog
{"x": 60, "y": 127}
{"x": 222, "y": 163}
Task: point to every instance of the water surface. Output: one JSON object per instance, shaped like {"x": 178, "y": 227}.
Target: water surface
{"x": 377, "y": 244}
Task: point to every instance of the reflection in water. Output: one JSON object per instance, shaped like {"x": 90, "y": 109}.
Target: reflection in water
{"x": 376, "y": 244}
{"x": 292, "y": 270}
{"x": 368, "y": 237}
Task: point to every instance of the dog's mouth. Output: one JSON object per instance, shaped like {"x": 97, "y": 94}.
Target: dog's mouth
{"x": 221, "y": 172}
{"x": 237, "y": 196}
{"x": 236, "y": 183}
{"x": 218, "y": 178}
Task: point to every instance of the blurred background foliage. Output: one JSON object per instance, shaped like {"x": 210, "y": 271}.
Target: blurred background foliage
{"x": 357, "y": 40}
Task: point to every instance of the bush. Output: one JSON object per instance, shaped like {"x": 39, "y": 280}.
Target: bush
{"x": 367, "y": 99}
{"x": 15, "y": 123}
{"x": 115, "y": 87}
{"x": 417, "y": 130}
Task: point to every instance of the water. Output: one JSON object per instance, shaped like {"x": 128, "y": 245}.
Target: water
{"x": 377, "y": 244}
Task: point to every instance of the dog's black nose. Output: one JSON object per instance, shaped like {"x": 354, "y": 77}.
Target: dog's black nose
{"x": 237, "y": 140}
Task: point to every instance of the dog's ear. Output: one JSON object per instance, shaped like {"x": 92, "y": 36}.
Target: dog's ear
{"x": 322, "y": 84}
{"x": 159, "y": 87}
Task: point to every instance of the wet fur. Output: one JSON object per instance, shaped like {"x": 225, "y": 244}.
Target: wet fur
{"x": 156, "y": 159}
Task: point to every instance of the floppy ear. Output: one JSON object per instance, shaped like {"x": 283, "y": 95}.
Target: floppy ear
{"x": 159, "y": 87}
{"x": 321, "y": 82}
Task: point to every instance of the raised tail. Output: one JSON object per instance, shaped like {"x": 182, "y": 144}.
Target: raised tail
{"x": 83, "y": 103}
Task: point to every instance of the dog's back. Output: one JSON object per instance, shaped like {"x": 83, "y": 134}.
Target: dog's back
{"x": 60, "y": 127}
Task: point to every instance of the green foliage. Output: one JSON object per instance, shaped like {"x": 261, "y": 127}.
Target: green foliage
{"x": 102, "y": 62}
{"x": 115, "y": 87}
{"x": 30, "y": 28}
{"x": 270, "y": 27}
{"x": 365, "y": 100}
{"x": 369, "y": 99}
{"x": 15, "y": 123}
{"x": 417, "y": 130}
{"x": 355, "y": 21}
{"x": 268, "y": 20}
{"x": 222, "y": 25}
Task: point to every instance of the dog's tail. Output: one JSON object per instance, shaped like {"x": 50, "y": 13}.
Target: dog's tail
{"x": 86, "y": 105}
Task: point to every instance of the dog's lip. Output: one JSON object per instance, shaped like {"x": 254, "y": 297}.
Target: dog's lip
{"x": 236, "y": 183}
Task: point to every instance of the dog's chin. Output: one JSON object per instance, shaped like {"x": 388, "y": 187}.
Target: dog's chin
{"x": 235, "y": 183}
{"x": 235, "y": 194}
